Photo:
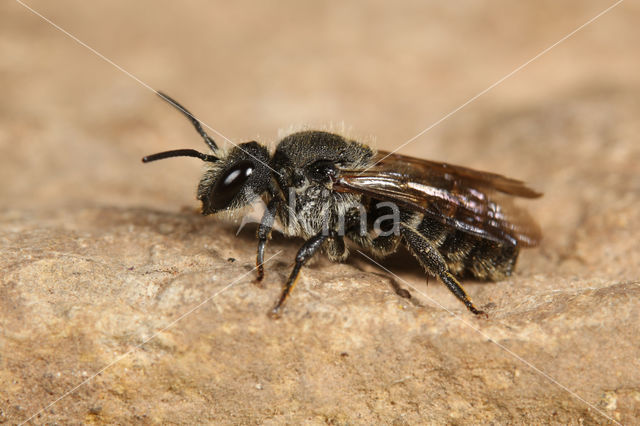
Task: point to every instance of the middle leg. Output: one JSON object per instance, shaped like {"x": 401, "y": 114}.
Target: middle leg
{"x": 306, "y": 252}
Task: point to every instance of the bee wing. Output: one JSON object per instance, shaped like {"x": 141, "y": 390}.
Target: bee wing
{"x": 465, "y": 199}
{"x": 444, "y": 172}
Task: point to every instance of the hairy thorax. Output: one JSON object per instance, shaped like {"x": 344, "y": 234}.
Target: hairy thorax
{"x": 314, "y": 208}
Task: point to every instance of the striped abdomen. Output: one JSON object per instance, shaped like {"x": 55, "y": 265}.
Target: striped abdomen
{"x": 468, "y": 254}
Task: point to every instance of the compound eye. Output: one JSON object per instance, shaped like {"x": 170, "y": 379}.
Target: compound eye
{"x": 231, "y": 183}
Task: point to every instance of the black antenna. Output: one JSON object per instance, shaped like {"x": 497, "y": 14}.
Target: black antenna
{"x": 180, "y": 153}
{"x": 196, "y": 123}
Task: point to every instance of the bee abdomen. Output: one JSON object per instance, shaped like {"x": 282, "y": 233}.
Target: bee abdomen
{"x": 467, "y": 254}
{"x": 489, "y": 260}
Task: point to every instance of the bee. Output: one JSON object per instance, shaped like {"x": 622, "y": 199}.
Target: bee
{"x": 325, "y": 188}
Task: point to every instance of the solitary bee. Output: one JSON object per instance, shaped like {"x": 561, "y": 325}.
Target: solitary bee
{"x": 326, "y": 188}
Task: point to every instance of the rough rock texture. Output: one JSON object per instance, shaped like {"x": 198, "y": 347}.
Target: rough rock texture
{"x": 120, "y": 304}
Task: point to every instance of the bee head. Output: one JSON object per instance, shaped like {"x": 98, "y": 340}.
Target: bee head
{"x": 231, "y": 180}
{"x": 236, "y": 180}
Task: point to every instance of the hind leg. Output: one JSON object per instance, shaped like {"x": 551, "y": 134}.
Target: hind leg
{"x": 433, "y": 262}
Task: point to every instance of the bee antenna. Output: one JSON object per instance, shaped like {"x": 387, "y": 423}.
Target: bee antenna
{"x": 180, "y": 153}
{"x": 196, "y": 123}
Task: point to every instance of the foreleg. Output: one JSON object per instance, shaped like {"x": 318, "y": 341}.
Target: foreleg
{"x": 264, "y": 233}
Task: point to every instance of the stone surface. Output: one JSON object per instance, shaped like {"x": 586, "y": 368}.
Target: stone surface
{"x": 119, "y": 303}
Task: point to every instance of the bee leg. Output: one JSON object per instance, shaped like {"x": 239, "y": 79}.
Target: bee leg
{"x": 433, "y": 262}
{"x": 264, "y": 233}
{"x": 336, "y": 249}
{"x": 305, "y": 253}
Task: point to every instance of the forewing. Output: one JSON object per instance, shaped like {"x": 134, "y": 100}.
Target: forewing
{"x": 463, "y": 198}
{"x": 448, "y": 174}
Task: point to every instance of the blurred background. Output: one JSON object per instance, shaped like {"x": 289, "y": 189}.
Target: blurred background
{"x": 73, "y": 127}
